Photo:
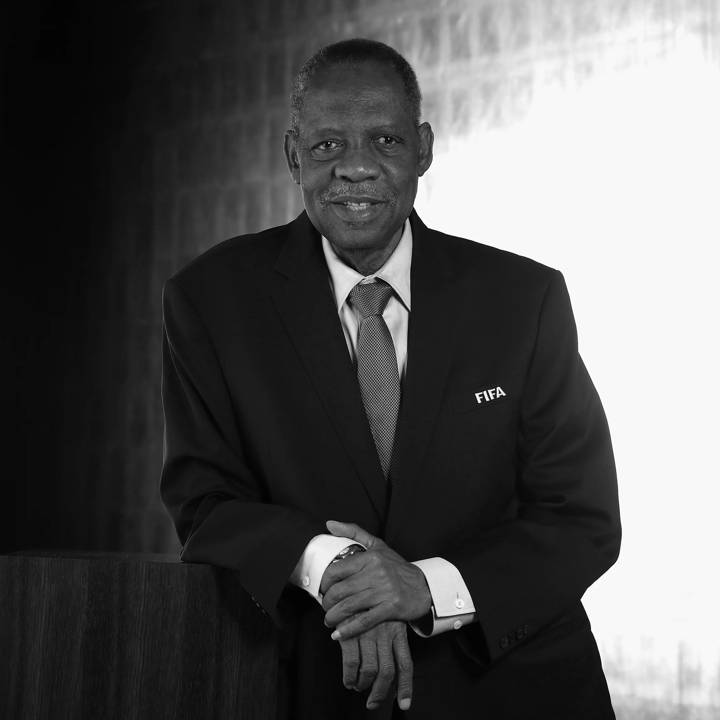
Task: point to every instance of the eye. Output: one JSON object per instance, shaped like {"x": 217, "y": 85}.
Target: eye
{"x": 387, "y": 140}
{"x": 326, "y": 146}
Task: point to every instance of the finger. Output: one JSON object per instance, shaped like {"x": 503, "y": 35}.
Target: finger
{"x": 362, "y": 622}
{"x": 351, "y": 662}
{"x": 374, "y": 571}
{"x": 345, "y": 588}
{"x": 404, "y": 667}
{"x": 350, "y": 606}
{"x": 335, "y": 572}
{"x": 368, "y": 662}
{"x": 352, "y": 531}
{"x": 385, "y": 671}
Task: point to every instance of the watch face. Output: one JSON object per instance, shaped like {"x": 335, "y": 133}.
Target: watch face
{"x": 349, "y": 551}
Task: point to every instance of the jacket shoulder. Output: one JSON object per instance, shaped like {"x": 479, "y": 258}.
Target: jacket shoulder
{"x": 475, "y": 257}
{"x": 249, "y": 252}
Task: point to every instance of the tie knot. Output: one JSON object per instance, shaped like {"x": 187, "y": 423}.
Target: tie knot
{"x": 370, "y": 298}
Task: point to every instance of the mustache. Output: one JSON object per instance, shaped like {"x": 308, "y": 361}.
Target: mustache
{"x": 366, "y": 190}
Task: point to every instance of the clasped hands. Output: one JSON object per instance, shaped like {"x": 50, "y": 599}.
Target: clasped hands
{"x": 368, "y": 598}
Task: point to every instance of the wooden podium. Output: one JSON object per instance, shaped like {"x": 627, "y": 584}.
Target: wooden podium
{"x": 118, "y": 636}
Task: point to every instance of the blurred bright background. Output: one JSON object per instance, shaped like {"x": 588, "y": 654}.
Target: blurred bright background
{"x": 582, "y": 133}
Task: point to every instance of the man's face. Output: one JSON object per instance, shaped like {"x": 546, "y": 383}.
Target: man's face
{"x": 357, "y": 157}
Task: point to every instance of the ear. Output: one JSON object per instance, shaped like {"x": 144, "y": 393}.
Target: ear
{"x": 291, "y": 155}
{"x": 425, "y": 151}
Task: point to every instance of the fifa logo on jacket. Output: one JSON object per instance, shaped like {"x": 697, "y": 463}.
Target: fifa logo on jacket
{"x": 489, "y": 394}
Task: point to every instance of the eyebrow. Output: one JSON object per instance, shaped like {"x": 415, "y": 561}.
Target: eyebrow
{"x": 388, "y": 128}
{"x": 324, "y": 131}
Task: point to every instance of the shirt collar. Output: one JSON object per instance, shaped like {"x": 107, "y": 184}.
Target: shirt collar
{"x": 395, "y": 272}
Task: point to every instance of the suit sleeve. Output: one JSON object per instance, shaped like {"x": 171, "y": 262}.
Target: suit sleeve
{"x": 220, "y": 508}
{"x": 565, "y": 531}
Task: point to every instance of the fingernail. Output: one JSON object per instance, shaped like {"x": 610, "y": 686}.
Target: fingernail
{"x": 372, "y": 706}
{"x": 335, "y": 635}
{"x": 404, "y": 704}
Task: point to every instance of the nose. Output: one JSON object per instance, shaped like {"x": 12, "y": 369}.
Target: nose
{"x": 357, "y": 165}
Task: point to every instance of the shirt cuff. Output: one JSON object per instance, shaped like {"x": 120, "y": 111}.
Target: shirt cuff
{"x": 452, "y": 606}
{"x": 318, "y": 554}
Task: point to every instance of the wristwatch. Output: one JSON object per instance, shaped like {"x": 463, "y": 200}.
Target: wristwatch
{"x": 347, "y": 552}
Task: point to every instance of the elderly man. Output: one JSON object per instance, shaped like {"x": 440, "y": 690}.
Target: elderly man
{"x": 389, "y": 434}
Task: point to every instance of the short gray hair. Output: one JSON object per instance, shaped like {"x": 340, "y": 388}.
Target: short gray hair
{"x": 352, "y": 52}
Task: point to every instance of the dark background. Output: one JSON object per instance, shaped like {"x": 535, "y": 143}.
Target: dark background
{"x": 48, "y": 143}
{"x": 113, "y": 116}
{"x": 66, "y": 74}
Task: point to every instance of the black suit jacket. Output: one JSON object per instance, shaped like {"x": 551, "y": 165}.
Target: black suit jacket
{"x": 266, "y": 438}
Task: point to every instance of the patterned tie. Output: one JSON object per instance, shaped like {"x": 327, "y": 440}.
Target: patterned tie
{"x": 377, "y": 368}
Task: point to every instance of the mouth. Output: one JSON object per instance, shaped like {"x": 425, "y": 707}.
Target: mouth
{"x": 356, "y": 203}
{"x": 357, "y": 210}
{"x": 357, "y": 206}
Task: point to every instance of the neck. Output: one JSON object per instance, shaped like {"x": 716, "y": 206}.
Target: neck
{"x": 367, "y": 261}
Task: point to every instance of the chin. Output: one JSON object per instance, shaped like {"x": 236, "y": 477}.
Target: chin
{"x": 357, "y": 238}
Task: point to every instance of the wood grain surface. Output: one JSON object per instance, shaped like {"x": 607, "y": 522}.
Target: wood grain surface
{"x": 105, "y": 636}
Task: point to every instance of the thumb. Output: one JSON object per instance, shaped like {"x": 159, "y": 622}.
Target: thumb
{"x": 352, "y": 531}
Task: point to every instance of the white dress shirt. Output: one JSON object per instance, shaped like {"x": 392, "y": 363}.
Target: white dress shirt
{"x": 452, "y": 605}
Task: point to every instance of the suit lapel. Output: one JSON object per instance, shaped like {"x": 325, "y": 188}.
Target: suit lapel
{"x": 431, "y": 337}
{"x": 304, "y": 300}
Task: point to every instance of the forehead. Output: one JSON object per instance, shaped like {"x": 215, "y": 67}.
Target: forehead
{"x": 369, "y": 90}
